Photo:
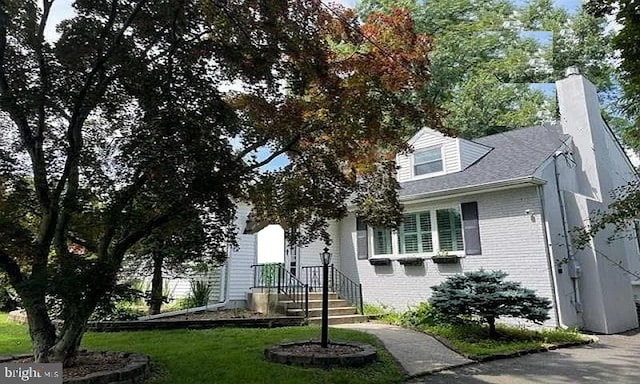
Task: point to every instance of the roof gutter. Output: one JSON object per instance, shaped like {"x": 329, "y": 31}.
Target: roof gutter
{"x": 486, "y": 187}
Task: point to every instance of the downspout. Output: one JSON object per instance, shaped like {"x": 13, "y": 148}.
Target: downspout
{"x": 574, "y": 268}
{"x": 550, "y": 263}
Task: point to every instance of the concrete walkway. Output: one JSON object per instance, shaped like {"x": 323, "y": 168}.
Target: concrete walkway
{"x": 418, "y": 353}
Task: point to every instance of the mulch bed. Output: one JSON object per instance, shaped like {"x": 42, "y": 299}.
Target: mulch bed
{"x": 317, "y": 350}
{"x": 88, "y": 362}
{"x": 214, "y": 315}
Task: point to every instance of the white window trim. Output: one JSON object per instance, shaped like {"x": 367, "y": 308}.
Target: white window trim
{"x": 432, "y": 174}
{"x": 395, "y": 238}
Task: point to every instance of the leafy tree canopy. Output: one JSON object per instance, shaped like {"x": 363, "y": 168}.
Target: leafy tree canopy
{"x": 627, "y": 16}
{"x": 484, "y": 58}
{"x": 121, "y": 126}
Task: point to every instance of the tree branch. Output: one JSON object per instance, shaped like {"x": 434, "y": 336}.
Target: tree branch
{"x": 44, "y": 74}
{"x": 12, "y": 269}
{"x": 91, "y": 247}
{"x": 251, "y": 148}
{"x": 81, "y": 110}
{"x": 130, "y": 239}
{"x": 275, "y": 154}
{"x": 10, "y": 104}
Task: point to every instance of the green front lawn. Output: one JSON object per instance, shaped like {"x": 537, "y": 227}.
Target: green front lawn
{"x": 472, "y": 340}
{"x": 223, "y": 355}
{"x": 14, "y": 338}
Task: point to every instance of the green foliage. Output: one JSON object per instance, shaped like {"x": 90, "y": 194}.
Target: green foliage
{"x": 472, "y": 340}
{"x": 121, "y": 311}
{"x": 626, "y": 42}
{"x": 8, "y": 299}
{"x": 198, "y": 296}
{"x": 487, "y": 296}
{"x": 123, "y": 137}
{"x": 482, "y": 65}
{"x": 383, "y": 313}
{"x": 120, "y": 304}
{"x": 269, "y": 272}
{"x": 423, "y": 314}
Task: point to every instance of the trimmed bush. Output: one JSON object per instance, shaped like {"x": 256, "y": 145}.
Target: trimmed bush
{"x": 486, "y": 296}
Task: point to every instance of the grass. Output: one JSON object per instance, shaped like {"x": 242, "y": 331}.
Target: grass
{"x": 222, "y": 355}
{"x": 14, "y": 338}
{"x": 472, "y": 340}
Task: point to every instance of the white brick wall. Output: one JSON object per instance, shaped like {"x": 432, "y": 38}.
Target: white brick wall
{"x": 511, "y": 240}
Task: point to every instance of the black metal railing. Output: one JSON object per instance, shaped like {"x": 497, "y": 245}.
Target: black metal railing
{"x": 339, "y": 283}
{"x": 274, "y": 277}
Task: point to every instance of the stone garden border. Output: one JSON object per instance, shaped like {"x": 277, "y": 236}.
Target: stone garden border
{"x": 136, "y": 372}
{"x": 278, "y": 353}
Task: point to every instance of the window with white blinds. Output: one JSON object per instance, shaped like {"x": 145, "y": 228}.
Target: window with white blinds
{"x": 416, "y": 233}
{"x": 449, "y": 228}
{"x": 424, "y": 232}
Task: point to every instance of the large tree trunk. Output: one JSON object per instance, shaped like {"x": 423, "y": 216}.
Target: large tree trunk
{"x": 41, "y": 329}
{"x": 68, "y": 342}
{"x": 155, "y": 303}
{"x": 47, "y": 345}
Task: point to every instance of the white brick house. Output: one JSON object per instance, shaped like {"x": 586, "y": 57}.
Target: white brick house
{"x": 504, "y": 202}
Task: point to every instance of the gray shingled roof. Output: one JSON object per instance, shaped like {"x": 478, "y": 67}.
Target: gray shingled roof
{"x": 516, "y": 154}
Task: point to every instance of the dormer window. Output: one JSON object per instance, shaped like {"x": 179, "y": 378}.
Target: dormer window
{"x": 427, "y": 161}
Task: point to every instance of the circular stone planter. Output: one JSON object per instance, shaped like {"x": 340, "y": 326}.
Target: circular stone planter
{"x": 136, "y": 371}
{"x": 311, "y": 354}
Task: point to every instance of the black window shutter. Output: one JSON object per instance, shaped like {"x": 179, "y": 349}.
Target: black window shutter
{"x": 471, "y": 228}
{"x": 362, "y": 242}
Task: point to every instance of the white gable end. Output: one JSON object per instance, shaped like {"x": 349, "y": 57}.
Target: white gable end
{"x": 435, "y": 154}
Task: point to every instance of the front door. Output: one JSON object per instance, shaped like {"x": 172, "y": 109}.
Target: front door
{"x": 292, "y": 254}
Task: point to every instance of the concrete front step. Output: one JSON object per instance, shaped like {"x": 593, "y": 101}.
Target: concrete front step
{"x": 312, "y": 296}
{"x": 317, "y": 312}
{"x": 343, "y": 319}
{"x": 318, "y": 295}
{"x": 313, "y": 304}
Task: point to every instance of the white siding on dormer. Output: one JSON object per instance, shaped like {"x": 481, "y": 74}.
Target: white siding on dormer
{"x": 427, "y": 138}
{"x": 470, "y": 152}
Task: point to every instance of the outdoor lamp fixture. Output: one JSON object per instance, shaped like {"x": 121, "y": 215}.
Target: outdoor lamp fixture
{"x": 325, "y": 257}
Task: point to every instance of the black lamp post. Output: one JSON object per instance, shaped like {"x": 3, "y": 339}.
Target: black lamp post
{"x": 325, "y": 257}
